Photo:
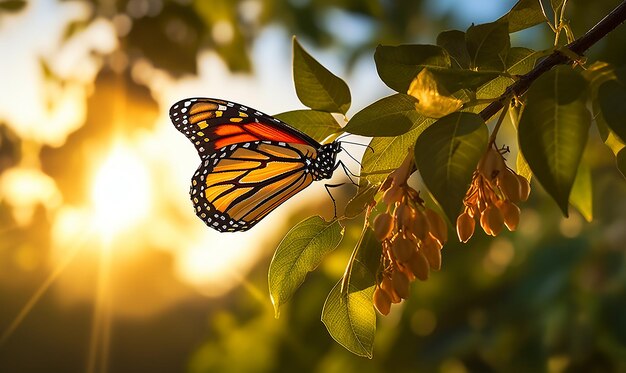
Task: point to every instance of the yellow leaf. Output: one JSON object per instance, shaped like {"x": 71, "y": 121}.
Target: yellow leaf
{"x": 432, "y": 100}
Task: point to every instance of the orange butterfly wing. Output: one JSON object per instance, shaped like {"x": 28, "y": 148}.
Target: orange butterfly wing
{"x": 251, "y": 162}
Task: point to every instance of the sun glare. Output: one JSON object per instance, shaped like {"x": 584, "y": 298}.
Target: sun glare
{"x": 121, "y": 192}
{"x": 217, "y": 262}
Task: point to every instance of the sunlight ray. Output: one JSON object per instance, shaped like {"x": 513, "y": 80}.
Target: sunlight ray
{"x": 58, "y": 270}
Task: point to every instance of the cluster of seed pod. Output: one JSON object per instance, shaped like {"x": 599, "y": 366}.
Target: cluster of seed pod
{"x": 492, "y": 197}
{"x": 412, "y": 236}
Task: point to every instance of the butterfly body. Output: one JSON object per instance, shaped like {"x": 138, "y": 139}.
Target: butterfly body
{"x": 251, "y": 163}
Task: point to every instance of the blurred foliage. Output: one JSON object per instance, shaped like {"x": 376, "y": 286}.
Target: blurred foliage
{"x": 548, "y": 298}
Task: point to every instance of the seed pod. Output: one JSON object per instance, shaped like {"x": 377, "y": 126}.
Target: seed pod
{"x": 524, "y": 187}
{"x": 403, "y": 267}
{"x": 493, "y": 220}
{"x": 473, "y": 211}
{"x": 465, "y": 227}
{"x": 418, "y": 264}
{"x": 404, "y": 214}
{"x": 383, "y": 225}
{"x": 402, "y": 248}
{"x": 484, "y": 222}
{"x": 386, "y": 184}
{"x": 481, "y": 205}
{"x": 393, "y": 195}
{"x": 420, "y": 226}
{"x": 438, "y": 227}
{"x": 432, "y": 251}
{"x": 509, "y": 185}
{"x": 400, "y": 284}
{"x": 382, "y": 301}
{"x": 510, "y": 214}
{"x": 491, "y": 164}
{"x": 387, "y": 286}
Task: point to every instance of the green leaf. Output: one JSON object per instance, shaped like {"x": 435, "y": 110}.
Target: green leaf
{"x": 553, "y": 130}
{"x": 349, "y": 315}
{"x": 486, "y": 44}
{"x": 389, "y": 152}
{"x": 612, "y": 99}
{"x": 582, "y": 197}
{"x": 453, "y": 41}
{"x": 397, "y": 66}
{"x": 454, "y": 79}
{"x": 389, "y": 116}
{"x": 520, "y": 60}
{"x": 12, "y": 5}
{"x": 596, "y": 74}
{"x": 524, "y": 14}
{"x": 522, "y": 167}
{"x": 316, "y": 87}
{"x": 447, "y": 153}
{"x": 361, "y": 200}
{"x": 317, "y": 124}
{"x": 620, "y": 160}
{"x": 299, "y": 253}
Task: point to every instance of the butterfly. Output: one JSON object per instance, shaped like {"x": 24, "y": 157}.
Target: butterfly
{"x": 251, "y": 162}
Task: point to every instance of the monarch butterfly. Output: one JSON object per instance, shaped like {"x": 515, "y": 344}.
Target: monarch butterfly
{"x": 251, "y": 162}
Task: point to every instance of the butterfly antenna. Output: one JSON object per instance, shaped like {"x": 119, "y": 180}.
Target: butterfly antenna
{"x": 357, "y": 143}
{"x": 343, "y": 136}
{"x": 352, "y": 157}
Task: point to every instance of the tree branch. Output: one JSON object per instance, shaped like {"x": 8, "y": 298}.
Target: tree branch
{"x": 578, "y": 46}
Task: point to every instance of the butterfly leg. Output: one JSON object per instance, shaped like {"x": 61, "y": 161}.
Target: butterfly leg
{"x": 328, "y": 186}
{"x": 347, "y": 172}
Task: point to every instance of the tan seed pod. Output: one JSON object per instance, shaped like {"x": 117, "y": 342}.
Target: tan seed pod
{"x": 403, "y": 248}
{"x": 382, "y": 301}
{"x": 393, "y": 195}
{"x": 387, "y": 286}
{"x": 510, "y": 214}
{"x": 509, "y": 185}
{"x": 404, "y": 214}
{"x": 400, "y": 284}
{"x": 403, "y": 267}
{"x": 524, "y": 187}
{"x": 420, "y": 226}
{"x": 465, "y": 225}
{"x": 491, "y": 164}
{"x": 413, "y": 194}
{"x": 383, "y": 225}
{"x": 431, "y": 249}
{"x": 473, "y": 211}
{"x": 481, "y": 205}
{"x": 495, "y": 220}
{"x": 484, "y": 222}
{"x": 438, "y": 227}
{"x": 419, "y": 266}
{"x": 386, "y": 184}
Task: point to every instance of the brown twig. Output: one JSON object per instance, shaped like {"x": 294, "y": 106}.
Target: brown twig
{"x": 578, "y": 47}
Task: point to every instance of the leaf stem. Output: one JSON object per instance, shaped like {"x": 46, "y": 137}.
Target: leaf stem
{"x": 346, "y": 275}
{"x": 494, "y": 134}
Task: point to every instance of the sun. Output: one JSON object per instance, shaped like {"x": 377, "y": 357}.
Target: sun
{"x": 121, "y": 192}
